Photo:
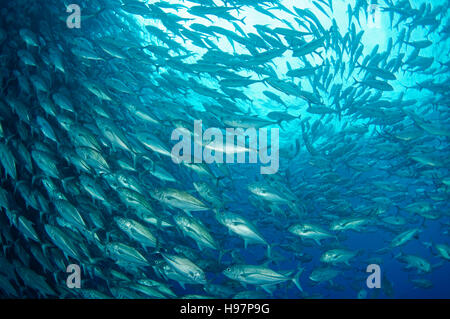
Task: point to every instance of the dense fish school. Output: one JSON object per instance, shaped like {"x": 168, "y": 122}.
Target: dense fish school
{"x": 360, "y": 93}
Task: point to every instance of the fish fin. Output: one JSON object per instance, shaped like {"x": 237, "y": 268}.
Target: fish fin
{"x": 296, "y": 278}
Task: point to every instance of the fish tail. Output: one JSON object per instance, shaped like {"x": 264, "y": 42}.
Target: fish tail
{"x": 65, "y": 180}
{"x": 296, "y": 278}
{"x": 218, "y": 179}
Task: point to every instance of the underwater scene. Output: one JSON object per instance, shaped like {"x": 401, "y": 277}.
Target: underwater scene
{"x": 244, "y": 149}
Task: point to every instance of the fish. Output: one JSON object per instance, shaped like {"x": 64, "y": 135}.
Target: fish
{"x": 310, "y": 231}
{"x": 404, "y": 237}
{"x": 325, "y": 274}
{"x": 185, "y": 268}
{"x": 181, "y": 199}
{"x": 243, "y": 228}
{"x": 412, "y": 261}
{"x": 196, "y": 230}
{"x": 336, "y": 256}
